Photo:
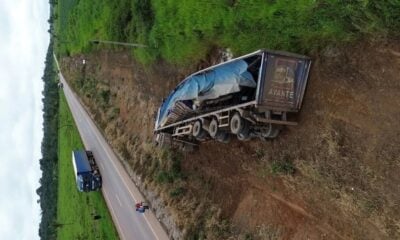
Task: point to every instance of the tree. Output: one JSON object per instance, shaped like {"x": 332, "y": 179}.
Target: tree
{"x": 49, "y": 163}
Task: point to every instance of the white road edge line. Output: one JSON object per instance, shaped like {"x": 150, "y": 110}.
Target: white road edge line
{"x": 129, "y": 190}
{"x": 115, "y": 216}
{"x": 101, "y": 166}
{"x": 112, "y": 162}
{"x": 119, "y": 201}
{"x": 118, "y": 225}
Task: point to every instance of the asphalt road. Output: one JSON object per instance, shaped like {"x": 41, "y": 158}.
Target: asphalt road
{"x": 118, "y": 190}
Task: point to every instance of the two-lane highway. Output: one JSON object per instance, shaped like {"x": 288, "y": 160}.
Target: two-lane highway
{"x": 119, "y": 191}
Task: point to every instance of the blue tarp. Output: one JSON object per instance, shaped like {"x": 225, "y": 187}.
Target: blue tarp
{"x": 212, "y": 84}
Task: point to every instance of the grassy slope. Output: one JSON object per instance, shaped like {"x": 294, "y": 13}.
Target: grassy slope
{"x": 75, "y": 209}
{"x": 82, "y": 21}
{"x": 64, "y": 8}
{"x": 182, "y": 31}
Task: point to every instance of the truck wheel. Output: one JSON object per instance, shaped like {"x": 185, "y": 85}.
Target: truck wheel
{"x": 274, "y": 132}
{"x": 89, "y": 154}
{"x": 243, "y": 136}
{"x": 213, "y": 128}
{"x": 237, "y": 123}
{"x": 223, "y": 137}
{"x": 198, "y": 132}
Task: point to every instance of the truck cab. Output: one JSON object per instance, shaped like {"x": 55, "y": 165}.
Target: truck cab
{"x": 87, "y": 174}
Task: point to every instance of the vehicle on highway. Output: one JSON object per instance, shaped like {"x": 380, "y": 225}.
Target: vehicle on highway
{"x": 249, "y": 96}
{"x": 141, "y": 207}
{"x": 86, "y": 171}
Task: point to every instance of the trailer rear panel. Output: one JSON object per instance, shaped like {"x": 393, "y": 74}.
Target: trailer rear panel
{"x": 283, "y": 83}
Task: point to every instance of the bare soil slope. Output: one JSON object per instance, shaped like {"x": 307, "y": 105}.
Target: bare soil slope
{"x": 345, "y": 150}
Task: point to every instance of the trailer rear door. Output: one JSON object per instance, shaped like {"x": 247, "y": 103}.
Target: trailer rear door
{"x": 283, "y": 82}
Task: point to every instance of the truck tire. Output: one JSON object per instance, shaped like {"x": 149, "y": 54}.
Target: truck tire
{"x": 237, "y": 123}
{"x": 223, "y": 137}
{"x": 274, "y": 132}
{"x": 213, "y": 128}
{"x": 89, "y": 154}
{"x": 198, "y": 132}
{"x": 244, "y": 136}
{"x": 243, "y": 133}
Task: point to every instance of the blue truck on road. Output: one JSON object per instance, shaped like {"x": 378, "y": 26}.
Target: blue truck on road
{"x": 86, "y": 171}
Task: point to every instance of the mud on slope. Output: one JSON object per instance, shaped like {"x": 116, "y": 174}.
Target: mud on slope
{"x": 345, "y": 150}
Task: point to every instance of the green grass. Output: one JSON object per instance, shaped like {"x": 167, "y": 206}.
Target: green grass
{"x": 76, "y": 210}
{"x": 66, "y": 6}
{"x": 283, "y": 167}
{"x": 183, "y": 31}
{"x": 83, "y": 21}
{"x": 64, "y": 10}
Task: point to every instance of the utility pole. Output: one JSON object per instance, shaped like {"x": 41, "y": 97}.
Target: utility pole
{"x": 118, "y": 43}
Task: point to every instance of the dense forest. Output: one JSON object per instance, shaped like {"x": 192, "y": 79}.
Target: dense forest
{"x": 49, "y": 162}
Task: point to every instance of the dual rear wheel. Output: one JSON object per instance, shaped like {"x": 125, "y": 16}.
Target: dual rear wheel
{"x": 237, "y": 126}
{"x": 240, "y": 127}
{"x": 216, "y": 133}
{"x": 198, "y": 132}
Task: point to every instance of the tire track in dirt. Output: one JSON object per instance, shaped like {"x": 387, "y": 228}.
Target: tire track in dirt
{"x": 323, "y": 227}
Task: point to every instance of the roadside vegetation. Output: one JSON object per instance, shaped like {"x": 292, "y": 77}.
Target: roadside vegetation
{"x": 183, "y": 31}
{"x": 79, "y": 215}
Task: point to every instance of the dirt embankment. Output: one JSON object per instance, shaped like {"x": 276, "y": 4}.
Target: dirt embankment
{"x": 345, "y": 150}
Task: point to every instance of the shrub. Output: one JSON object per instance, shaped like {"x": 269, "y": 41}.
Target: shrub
{"x": 105, "y": 96}
{"x": 282, "y": 167}
{"x": 176, "y": 192}
{"x": 164, "y": 177}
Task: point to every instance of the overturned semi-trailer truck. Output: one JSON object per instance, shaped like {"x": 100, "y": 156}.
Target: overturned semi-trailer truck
{"x": 250, "y": 96}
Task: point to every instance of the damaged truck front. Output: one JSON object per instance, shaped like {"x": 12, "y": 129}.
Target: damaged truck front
{"x": 251, "y": 96}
